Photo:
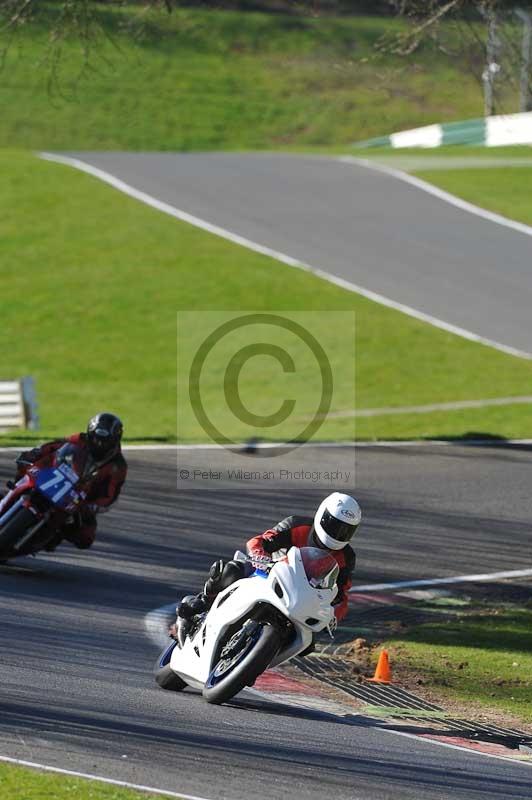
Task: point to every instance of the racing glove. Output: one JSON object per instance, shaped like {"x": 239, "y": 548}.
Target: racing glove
{"x": 263, "y": 563}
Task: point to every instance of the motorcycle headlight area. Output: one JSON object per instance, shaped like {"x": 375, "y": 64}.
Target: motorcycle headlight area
{"x": 321, "y": 568}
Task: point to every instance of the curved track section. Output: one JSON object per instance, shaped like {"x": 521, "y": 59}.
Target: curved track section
{"x": 77, "y": 689}
{"x": 355, "y": 223}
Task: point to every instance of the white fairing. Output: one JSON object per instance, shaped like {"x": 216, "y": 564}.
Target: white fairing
{"x": 286, "y": 588}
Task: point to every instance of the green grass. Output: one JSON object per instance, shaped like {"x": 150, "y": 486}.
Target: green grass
{"x": 19, "y": 783}
{"x": 447, "y": 152}
{"x": 207, "y": 79}
{"x": 507, "y": 422}
{"x": 91, "y": 285}
{"x": 506, "y": 190}
{"x": 483, "y": 658}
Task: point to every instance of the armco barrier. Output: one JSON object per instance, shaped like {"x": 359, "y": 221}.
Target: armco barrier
{"x": 18, "y": 405}
{"x": 505, "y": 129}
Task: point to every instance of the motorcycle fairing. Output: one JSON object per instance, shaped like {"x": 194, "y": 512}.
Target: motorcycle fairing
{"x": 57, "y": 484}
{"x": 13, "y": 499}
{"x": 286, "y": 588}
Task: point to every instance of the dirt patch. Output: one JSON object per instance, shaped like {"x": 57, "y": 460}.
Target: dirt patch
{"x": 476, "y": 601}
{"x": 417, "y": 682}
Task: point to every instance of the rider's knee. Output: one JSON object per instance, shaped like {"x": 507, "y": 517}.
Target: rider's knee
{"x": 212, "y": 584}
{"x": 223, "y": 574}
{"x": 233, "y": 571}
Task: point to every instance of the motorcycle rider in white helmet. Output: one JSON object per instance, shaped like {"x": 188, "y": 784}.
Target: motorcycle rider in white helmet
{"x": 332, "y": 528}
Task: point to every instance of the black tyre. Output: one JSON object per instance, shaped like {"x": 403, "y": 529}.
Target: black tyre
{"x": 165, "y": 676}
{"x": 14, "y": 529}
{"x": 232, "y": 674}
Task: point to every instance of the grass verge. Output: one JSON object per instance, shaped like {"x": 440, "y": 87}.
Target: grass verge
{"x": 21, "y": 783}
{"x": 506, "y": 190}
{"x": 446, "y": 153}
{"x": 207, "y": 79}
{"x": 481, "y": 659}
{"x": 92, "y": 282}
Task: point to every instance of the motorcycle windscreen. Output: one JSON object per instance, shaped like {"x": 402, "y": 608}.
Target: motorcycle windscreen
{"x": 69, "y": 455}
{"x": 321, "y": 568}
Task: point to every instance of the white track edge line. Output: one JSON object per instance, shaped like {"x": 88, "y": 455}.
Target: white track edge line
{"x": 441, "y": 194}
{"x": 112, "y": 781}
{"x": 429, "y": 408}
{"x": 184, "y": 216}
{"x": 480, "y": 578}
{"x": 469, "y": 750}
{"x": 155, "y": 615}
{"x": 493, "y": 443}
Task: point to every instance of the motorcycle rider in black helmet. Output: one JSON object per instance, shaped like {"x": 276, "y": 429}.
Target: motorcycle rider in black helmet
{"x": 99, "y": 461}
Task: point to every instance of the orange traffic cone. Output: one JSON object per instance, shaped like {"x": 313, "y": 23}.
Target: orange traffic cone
{"x": 383, "y": 673}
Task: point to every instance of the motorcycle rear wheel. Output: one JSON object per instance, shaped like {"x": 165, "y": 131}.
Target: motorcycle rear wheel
{"x": 13, "y": 530}
{"x": 244, "y": 670}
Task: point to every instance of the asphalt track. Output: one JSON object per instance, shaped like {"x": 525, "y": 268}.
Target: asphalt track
{"x": 77, "y": 690}
{"x": 357, "y": 224}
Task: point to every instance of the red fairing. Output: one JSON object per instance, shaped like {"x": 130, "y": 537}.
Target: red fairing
{"x": 100, "y": 488}
{"x": 11, "y": 497}
{"x": 103, "y": 489}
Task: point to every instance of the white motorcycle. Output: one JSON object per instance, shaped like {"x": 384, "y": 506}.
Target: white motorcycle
{"x": 255, "y": 623}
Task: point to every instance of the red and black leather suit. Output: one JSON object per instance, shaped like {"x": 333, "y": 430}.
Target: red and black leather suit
{"x": 102, "y": 485}
{"x": 297, "y": 531}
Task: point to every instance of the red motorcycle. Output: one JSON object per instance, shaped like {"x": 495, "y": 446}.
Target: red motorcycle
{"x": 40, "y": 504}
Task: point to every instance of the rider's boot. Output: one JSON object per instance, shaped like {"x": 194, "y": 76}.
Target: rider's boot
{"x": 221, "y": 575}
{"x": 194, "y": 604}
{"x": 213, "y": 584}
{"x": 189, "y": 607}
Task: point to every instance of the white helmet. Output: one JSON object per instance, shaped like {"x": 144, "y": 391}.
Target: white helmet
{"x": 336, "y": 520}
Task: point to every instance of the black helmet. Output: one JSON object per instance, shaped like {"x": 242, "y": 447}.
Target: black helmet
{"x": 104, "y": 433}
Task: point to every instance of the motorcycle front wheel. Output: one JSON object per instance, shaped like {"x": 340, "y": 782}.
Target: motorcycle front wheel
{"x": 240, "y": 664}
{"x": 14, "y": 529}
{"x": 165, "y": 677}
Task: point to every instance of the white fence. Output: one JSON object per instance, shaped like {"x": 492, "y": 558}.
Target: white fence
{"x": 18, "y": 406}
